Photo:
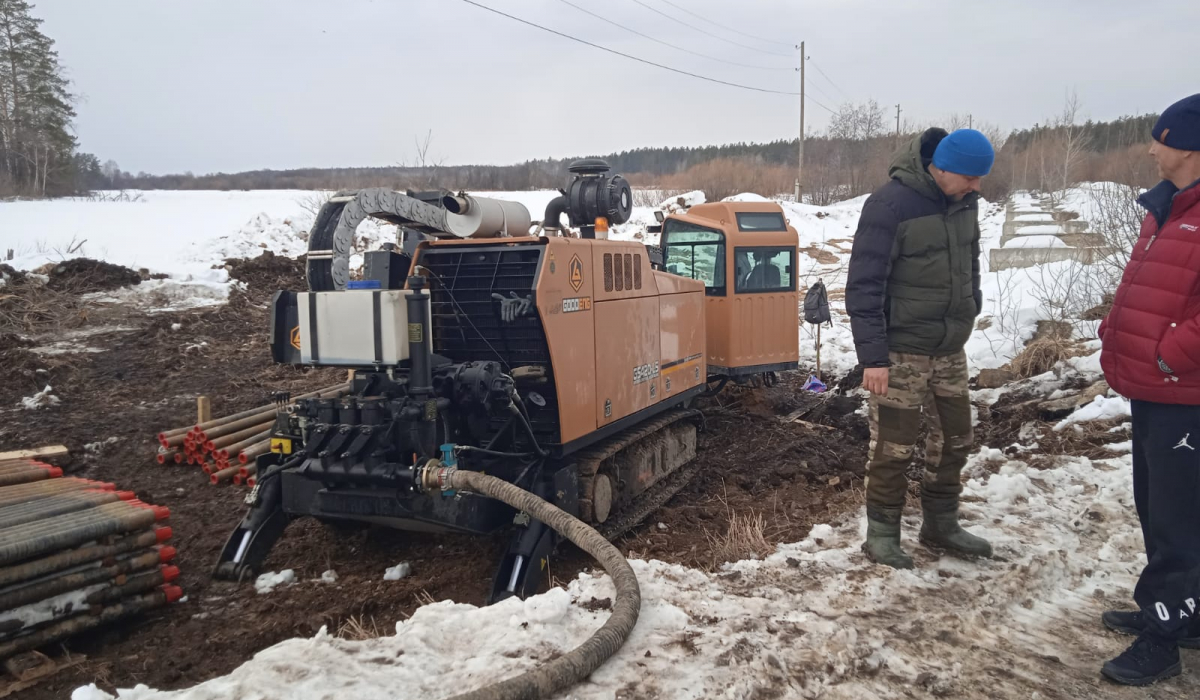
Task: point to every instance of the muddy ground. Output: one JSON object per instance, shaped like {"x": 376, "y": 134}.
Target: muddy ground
{"x": 135, "y": 382}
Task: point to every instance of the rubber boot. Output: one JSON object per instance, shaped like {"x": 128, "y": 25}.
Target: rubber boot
{"x": 940, "y": 530}
{"x": 883, "y": 538}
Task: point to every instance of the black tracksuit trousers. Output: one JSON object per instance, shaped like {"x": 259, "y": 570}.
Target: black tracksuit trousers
{"x": 1166, "y": 490}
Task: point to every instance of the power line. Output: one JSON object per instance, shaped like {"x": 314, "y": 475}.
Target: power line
{"x": 818, "y": 89}
{"x": 705, "y": 31}
{"x": 625, "y": 55}
{"x": 813, "y": 100}
{"x": 839, "y": 89}
{"x": 728, "y": 29}
{"x": 660, "y": 41}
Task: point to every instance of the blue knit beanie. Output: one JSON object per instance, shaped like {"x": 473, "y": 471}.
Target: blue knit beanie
{"x": 1179, "y": 125}
{"x": 966, "y": 152}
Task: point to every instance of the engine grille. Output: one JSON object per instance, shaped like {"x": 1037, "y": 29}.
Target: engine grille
{"x": 467, "y": 321}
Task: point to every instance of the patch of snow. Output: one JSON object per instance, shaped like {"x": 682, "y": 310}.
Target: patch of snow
{"x": 329, "y": 576}
{"x": 397, "y": 572}
{"x": 1039, "y": 242}
{"x": 42, "y": 399}
{"x": 265, "y": 583}
{"x": 49, "y": 609}
{"x": 1126, "y": 446}
{"x": 1051, "y": 229}
{"x": 95, "y": 448}
{"x": 1101, "y": 408}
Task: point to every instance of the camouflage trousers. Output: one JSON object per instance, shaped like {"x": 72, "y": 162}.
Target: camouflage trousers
{"x": 936, "y": 386}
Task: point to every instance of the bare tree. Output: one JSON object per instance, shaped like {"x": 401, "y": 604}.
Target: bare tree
{"x": 1064, "y": 151}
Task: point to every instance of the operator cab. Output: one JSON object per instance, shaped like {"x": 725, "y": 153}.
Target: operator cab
{"x": 745, "y": 253}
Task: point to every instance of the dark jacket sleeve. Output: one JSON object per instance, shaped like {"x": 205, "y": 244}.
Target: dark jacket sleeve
{"x": 976, "y": 277}
{"x": 866, "y": 284}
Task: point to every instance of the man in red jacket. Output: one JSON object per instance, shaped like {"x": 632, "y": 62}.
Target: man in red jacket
{"x": 1151, "y": 355}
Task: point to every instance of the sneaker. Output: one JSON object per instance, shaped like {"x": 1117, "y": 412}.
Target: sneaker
{"x": 1133, "y": 623}
{"x": 1148, "y": 660}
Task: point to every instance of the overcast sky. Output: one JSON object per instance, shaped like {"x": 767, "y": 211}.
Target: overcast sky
{"x": 228, "y": 85}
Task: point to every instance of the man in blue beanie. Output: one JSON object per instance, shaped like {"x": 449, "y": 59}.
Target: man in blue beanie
{"x": 912, "y": 296}
{"x": 1151, "y": 355}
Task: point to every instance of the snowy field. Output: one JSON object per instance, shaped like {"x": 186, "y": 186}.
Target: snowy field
{"x": 188, "y": 235}
{"x": 812, "y": 620}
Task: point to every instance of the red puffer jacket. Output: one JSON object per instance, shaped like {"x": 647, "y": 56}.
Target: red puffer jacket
{"x": 1156, "y": 311}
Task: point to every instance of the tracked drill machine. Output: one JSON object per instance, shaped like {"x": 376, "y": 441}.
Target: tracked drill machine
{"x": 560, "y": 361}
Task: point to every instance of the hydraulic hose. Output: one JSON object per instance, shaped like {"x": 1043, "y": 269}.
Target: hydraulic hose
{"x": 580, "y": 662}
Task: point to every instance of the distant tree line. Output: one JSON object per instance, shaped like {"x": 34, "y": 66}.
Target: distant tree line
{"x": 849, "y": 158}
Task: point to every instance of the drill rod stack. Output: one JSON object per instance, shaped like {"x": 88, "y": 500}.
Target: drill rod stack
{"x": 225, "y": 448}
{"x": 75, "y": 554}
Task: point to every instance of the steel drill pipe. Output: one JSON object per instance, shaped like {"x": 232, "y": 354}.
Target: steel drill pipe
{"x": 68, "y": 502}
{"x": 248, "y": 471}
{"x": 211, "y": 436}
{"x": 108, "y": 511}
{"x": 14, "y": 461}
{"x": 19, "y": 464}
{"x": 72, "y": 530}
{"x": 26, "y": 474}
{"x": 132, "y": 585}
{"x": 223, "y": 475}
{"x": 168, "y": 457}
{"x": 205, "y": 427}
{"x": 33, "y": 591}
{"x": 23, "y": 493}
{"x": 234, "y": 449}
{"x": 251, "y": 453}
{"x": 65, "y": 560}
{"x": 234, "y": 438}
{"x": 72, "y": 626}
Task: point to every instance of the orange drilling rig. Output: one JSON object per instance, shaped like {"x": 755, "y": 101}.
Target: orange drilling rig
{"x": 560, "y": 361}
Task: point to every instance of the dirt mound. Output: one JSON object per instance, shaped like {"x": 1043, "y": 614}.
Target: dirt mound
{"x": 9, "y": 274}
{"x": 268, "y": 273}
{"x": 84, "y": 275}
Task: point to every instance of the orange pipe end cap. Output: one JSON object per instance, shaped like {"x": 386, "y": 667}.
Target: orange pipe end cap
{"x": 126, "y": 495}
{"x": 166, "y": 554}
{"x": 174, "y": 593}
{"x": 161, "y": 512}
{"x": 170, "y": 573}
{"x": 163, "y": 534}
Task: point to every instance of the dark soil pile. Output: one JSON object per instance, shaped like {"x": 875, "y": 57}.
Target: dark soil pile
{"x": 84, "y": 275}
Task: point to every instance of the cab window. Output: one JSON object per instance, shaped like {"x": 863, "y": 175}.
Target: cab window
{"x": 697, "y": 252}
{"x": 761, "y": 221}
{"x": 765, "y": 269}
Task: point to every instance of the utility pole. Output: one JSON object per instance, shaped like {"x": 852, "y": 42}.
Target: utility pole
{"x": 970, "y": 121}
{"x": 897, "y": 125}
{"x": 800, "y": 154}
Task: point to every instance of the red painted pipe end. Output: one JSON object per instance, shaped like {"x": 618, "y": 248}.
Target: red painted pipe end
{"x": 163, "y": 534}
{"x": 170, "y": 573}
{"x": 174, "y": 593}
{"x": 166, "y": 554}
